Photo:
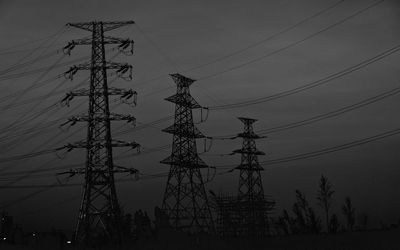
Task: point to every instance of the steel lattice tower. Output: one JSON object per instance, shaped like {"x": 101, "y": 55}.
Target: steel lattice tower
{"x": 185, "y": 199}
{"x": 250, "y": 184}
{"x": 251, "y": 193}
{"x": 100, "y": 214}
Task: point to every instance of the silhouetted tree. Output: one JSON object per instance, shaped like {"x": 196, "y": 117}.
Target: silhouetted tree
{"x": 324, "y": 197}
{"x": 349, "y": 213}
{"x": 161, "y": 219}
{"x": 282, "y": 224}
{"x": 305, "y": 218}
{"x": 314, "y": 222}
{"x": 127, "y": 223}
{"x": 142, "y": 224}
{"x": 286, "y": 223}
{"x": 300, "y": 212}
{"x": 334, "y": 224}
{"x": 363, "y": 221}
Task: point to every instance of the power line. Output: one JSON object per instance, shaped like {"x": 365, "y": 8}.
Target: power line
{"x": 158, "y": 48}
{"x": 45, "y": 143}
{"x": 327, "y": 150}
{"x": 56, "y": 35}
{"x": 317, "y": 118}
{"x": 270, "y": 37}
{"x": 29, "y": 63}
{"x": 285, "y": 47}
{"x": 295, "y": 157}
{"x": 292, "y": 44}
{"x": 40, "y": 98}
{"x": 252, "y": 45}
{"x": 313, "y": 84}
{"x": 269, "y": 162}
{"x": 62, "y": 29}
{"x": 334, "y": 148}
{"x": 29, "y": 155}
{"x": 289, "y": 92}
{"x": 28, "y": 173}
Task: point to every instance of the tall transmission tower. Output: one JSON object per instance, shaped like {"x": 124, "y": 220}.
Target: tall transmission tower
{"x": 251, "y": 193}
{"x": 185, "y": 199}
{"x": 100, "y": 214}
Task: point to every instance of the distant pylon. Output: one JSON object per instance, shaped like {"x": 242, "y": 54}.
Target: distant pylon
{"x": 100, "y": 214}
{"x": 250, "y": 183}
{"x": 251, "y": 197}
{"x": 185, "y": 199}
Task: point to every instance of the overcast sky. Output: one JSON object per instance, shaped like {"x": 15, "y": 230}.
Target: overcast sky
{"x": 174, "y": 36}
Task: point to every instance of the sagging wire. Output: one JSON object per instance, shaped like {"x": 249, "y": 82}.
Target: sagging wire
{"x": 208, "y": 147}
{"x": 68, "y": 48}
{"x": 61, "y": 155}
{"x": 138, "y": 149}
{"x": 69, "y": 74}
{"x": 122, "y": 72}
{"x": 224, "y": 137}
{"x": 129, "y": 98}
{"x": 227, "y": 172}
{"x": 133, "y": 173}
{"x": 29, "y": 155}
{"x": 67, "y": 99}
{"x": 213, "y": 174}
{"x": 66, "y": 179}
{"x": 125, "y": 44}
{"x": 70, "y": 122}
{"x": 218, "y": 155}
{"x": 203, "y": 118}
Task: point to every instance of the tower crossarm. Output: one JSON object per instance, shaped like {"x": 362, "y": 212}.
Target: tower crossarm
{"x": 250, "y": 135}
{"x": 73, "y": 172}
{"x": 107, "y": 40}
{"x": 119, "y": 143}
{"x": 184, "y": 99}
{"x": 124, "y": 44}
{"x": 107, "y": 26}
{"x": 184, "y": 131}
{"x": 101, "y": 144}
{"x": 125, "y": 94}
{"x": 101, "y": 118}
{"x": 120, "y": 68}
{"x": 185, "y": 164}
{"x": 116, "y": 170}
{"x": 120, "y": 169}
{"x": 248, "y": 151}
{"x": 250, "y": 167}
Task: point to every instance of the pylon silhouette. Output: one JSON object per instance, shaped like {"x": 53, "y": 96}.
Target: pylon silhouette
{"x": 251, "y": 199}
{"x": 100, "y": 214}
{"x": 185, "y": 199}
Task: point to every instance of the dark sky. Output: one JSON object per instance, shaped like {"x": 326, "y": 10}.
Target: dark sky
{"x": 174, "y": 36}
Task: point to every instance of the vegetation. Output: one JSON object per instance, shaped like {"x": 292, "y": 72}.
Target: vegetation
{"x": 324, "y": 197}
{"x": 349, "y": 213}
{"x": 304, "y": 220}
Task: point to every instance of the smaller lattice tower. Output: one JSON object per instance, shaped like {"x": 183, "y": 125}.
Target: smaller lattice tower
{"x": 185, "y": 200}
{"x": 251, "y": 200}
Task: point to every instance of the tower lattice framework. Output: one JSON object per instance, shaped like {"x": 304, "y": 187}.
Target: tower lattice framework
{"x": 251, "y": 199}
{"x": 100, "y": 213}
{"x": 185, "y": 200}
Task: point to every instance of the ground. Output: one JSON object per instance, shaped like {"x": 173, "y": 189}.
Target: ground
{"x": 367, "y": 240}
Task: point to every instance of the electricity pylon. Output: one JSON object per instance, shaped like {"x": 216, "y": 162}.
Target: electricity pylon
{"x": 100, "y": 214}
{"x": 251, "y": 199}
{"x": 250, "y": 183}
{"x": 185, "y": 199}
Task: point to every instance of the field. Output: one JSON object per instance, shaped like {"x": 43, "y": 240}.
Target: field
{"x": 367, "y": 240}
{"x": 378, "y": 240}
